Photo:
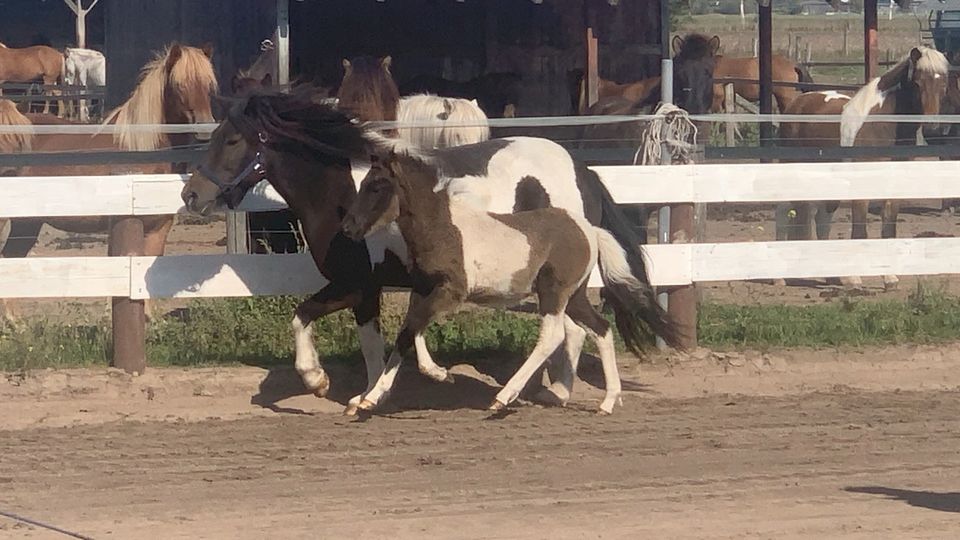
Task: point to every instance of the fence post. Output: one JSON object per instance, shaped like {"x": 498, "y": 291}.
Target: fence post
{"x": 129, "y": 347}
{"x": 846, "y": 41}
{"x": 682, "y": 304}
{"x": 730, "y": 107}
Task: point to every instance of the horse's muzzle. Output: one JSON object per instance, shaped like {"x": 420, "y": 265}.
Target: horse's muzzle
{"x": 352, "y": 228}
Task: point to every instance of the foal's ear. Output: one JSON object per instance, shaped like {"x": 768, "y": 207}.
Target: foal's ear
{"x": 207, "y": 49}
{"x": 677, "y": 44}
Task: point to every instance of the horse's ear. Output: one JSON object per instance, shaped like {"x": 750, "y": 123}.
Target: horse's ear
{"x": 235, "y": 83}
{"x": 677, "y": 44}
{"x": 714, "y": 45}
{"x": 173, "y": 55}
{"x": 385, "y": 63}
{"x": 346, "y": 66}
{"x": 267, "y": 80}
{"x": 915, "y": 55}
{"x": 207, "y": 49}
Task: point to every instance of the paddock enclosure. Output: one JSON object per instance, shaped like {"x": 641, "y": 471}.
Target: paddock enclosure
{"x": 852, "y": 435}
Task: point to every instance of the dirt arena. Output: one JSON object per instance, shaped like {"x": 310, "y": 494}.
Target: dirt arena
{"x": 750, "y": 445}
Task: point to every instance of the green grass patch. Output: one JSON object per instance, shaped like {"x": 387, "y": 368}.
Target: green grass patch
{"x": 256, "y": 331}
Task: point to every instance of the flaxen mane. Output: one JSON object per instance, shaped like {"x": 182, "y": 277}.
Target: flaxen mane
{"x": 10, "y": 116}
{"x": 856, "y": 110}
{"x": 191, "y": 71}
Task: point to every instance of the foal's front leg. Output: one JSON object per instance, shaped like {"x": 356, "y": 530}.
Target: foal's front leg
{"x": 442, "y": 299}
{"x": 425, "y": 362}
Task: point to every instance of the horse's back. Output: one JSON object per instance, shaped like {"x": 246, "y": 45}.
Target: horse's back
{"x": 489, "y": 173}
{"x": 813, "y": 134}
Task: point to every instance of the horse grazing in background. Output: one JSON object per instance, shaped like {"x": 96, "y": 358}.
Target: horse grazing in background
{"x": 314, "y": 156}
{"x": 497, "y": 94}
{"x": 784, "y": 70}
{"x": 84, "y": 67}
{"x": 468, "y": 124}
{"x": 460, "y": 254}
{"x": 914, "y": 86}
{"x": 174, "y": 88}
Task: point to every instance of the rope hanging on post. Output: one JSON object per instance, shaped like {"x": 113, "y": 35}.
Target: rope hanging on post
{"x": 670, "y": 130}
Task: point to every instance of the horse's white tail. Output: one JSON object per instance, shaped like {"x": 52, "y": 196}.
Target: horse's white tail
{"x": 467, "y": 122}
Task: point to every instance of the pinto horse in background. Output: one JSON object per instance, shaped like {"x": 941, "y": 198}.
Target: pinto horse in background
{"x": 174, "y": 88}
{"x": 915, "y": 86}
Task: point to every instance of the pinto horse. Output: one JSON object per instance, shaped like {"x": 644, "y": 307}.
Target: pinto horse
{"x": 174, "y": 88}
{"x": 915, "y": 86}
{"x": 459, "y": 254}
{"x": 315, "y": 155}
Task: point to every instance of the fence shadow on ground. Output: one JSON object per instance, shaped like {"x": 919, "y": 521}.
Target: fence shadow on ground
{"x": 931, "y": 500}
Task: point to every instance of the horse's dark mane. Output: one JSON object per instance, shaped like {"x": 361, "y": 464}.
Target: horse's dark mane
{"x": 696, "y": 46}
{"x": 296, "y": 122}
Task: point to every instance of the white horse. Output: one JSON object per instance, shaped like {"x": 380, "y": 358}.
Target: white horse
{"x": 83, "y": 67}
{"x": 495, "y": 259}
{"x": 464, "y": 121}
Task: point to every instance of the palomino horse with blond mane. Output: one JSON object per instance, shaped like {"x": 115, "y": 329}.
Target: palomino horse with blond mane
{"x": 31, "y": 64}
{"x": 175, "y": 88}
{"x": 915, "y": 86}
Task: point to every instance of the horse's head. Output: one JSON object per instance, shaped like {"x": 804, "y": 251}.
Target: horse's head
{"x": 190, "y": 82}
{"x": 242, "y": 84}
{"x": 378, "y": 201}
{"x": 927, "y": 74}
{"x": 284, "y": 135}
{"x": 693, "y": 63}
{"x": 368, "y": 90}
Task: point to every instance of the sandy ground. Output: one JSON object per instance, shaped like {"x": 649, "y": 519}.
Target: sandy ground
{"x": 799, "y": 444}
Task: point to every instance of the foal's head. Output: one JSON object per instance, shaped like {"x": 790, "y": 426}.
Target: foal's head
{"x": 382, "y": 193}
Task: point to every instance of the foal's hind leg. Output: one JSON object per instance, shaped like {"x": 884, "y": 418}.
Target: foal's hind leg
{"x": 560, "y": 391}
{"x": 425, "y": 362}
{"x": 582, "y": 312}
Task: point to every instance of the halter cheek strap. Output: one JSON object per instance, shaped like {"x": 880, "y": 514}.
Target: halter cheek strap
{"x": 255, "y": 166}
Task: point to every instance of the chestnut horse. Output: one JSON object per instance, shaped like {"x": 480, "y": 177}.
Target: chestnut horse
{"x": 749, "y": 68}
{"x": 174, "y": 88}
{"x": 32, "y": 64}
{"x": 638, "y": 93}
{"x": 916, "y": 86}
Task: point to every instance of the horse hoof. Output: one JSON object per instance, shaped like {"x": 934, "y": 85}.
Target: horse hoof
{"x": 448, "y": 379}
{"x": 547, "y": 397}
{"x": 321, "y": 391}
{"x": 351, "y": 410}
{"x": 366, "y": 405}
{"x": 496, "y": 406}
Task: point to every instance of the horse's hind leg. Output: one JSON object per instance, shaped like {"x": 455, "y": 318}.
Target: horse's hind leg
{"x": 330, "y": 299}
{"x": 551, "y": 336}
{"x": 858, "y": 231}
{"x": 582, "y": 312}
{"x": 560, "y": 391}
{"x": 891, "y": 209}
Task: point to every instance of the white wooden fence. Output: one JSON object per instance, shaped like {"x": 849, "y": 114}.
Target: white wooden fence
{"x": 677, "y": 264}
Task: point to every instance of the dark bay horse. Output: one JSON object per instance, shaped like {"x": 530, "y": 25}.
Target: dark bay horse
{"x": 498, "y": 93}
{"x": 915, "y": 86}
{"x": 174, "y": 88}
{"x": 312, "y": 154}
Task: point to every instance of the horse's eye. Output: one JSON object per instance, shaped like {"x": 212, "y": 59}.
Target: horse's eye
{"x": 234, "y": 141}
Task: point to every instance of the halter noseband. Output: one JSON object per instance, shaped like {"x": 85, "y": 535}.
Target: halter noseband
{"x": 255, "y": 166}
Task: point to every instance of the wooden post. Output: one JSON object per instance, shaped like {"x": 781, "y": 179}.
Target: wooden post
{"x": 682, "y": 304}
{"x": 730, "y": 107}
{"x": 756, "y": 47}
{"x": 809, "y": 54}
{"x": 870, "y": 50}
{"x": 846, "y": 39}
{"x": 765, "y": 17}
{"x": 129, "y": 323}
{"x": 593, "y": 69}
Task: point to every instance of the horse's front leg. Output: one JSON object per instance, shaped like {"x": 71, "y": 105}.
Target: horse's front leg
{"x": 367, "y": 316}
{"x": 441, "y": 300}
{"x": 330, "y": 299}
